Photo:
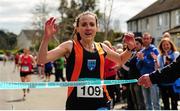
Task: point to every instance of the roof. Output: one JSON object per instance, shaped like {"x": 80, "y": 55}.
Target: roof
{"x": 174, "y": 30}
{"x": 30, "y": 33}
{"x": 157, "y": 7}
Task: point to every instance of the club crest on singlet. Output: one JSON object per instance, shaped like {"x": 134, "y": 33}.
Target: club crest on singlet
{"x": 91, "y": 64}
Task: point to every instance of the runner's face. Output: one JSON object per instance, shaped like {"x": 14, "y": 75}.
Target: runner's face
{"x": 87, "y": 27}
{"x": 26, "y": 51}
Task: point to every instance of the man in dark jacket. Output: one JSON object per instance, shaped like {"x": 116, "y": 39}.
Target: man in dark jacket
{"x": 167, "y": 74}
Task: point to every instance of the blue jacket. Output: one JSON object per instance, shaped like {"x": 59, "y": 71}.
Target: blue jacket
{"x": 172, "y": 55}
{"x": 147, "y": 65}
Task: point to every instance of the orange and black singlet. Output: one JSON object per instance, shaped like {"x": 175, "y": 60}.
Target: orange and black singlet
{"x": 85, "y": 97}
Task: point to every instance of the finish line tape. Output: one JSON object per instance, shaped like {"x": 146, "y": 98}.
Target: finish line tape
{"x": 40, "y": 85}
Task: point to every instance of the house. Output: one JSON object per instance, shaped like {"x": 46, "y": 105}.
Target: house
{"x": 159, "y": 17}
{"x": 28, "y": 38}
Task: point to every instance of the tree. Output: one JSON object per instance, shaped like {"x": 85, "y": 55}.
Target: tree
{"x": 12, "y": 40}
{"x": 117, "y": 25}
{"x": 106, "y": 18}
{"x": 40, "y": 15}
{"x": 63, "y": 7}
{"x": 3, "y": 41}
{"x": 67, "y": 14}
{"x": 88, "y": 5}
{"x": 7, "y": 40}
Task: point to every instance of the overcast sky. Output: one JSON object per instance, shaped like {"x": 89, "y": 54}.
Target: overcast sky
{"x": 17, "y": 14}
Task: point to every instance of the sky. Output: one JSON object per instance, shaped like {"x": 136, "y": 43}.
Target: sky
{"x": 16, "y": 15}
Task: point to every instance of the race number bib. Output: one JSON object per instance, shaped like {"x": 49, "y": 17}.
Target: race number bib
{"x": 25, "y": 68}
{"x": 90, "y": 91}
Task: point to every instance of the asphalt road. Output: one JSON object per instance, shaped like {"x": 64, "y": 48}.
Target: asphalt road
{"x": 37, "y": 99}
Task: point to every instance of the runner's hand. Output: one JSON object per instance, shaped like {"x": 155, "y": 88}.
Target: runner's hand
{"x": 129, "y": 40}
{"x": 50, "y": 28}
{"x": 145, "y": 81}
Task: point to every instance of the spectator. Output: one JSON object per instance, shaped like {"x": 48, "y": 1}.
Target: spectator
{"x": 168, "y": 54}
{"x": 48, "y": 71}
{"x": 146, "y": 64}
{"x": 110, "y": 72}
{"x": 59, "y": 66}
{"x": 136, "y": 90}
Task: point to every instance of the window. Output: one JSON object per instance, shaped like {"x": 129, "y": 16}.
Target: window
{"x": 147, "y": 23}
{"x": 178, "y": 17}
{"x": 178, "y": 40}
{"x": 140, "y": 25}
{"x": 159, "y": 20}
{"x": 134, "y": 26}
{"x": 130, "y": 26}
{"x": 166, "y": 19}
{"x": 143, "y": 25}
